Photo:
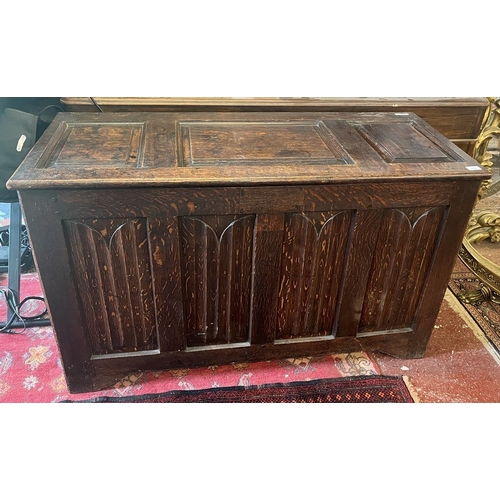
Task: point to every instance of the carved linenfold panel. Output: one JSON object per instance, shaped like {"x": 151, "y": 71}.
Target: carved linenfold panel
{"x": 216, "y": 262}
{"x": 258, "y": 143}
{"x": 111, "y": 267}
{"x": 312, "y": 269}
{"x": 407, "y": 143}
{"x": 404, "y": 249}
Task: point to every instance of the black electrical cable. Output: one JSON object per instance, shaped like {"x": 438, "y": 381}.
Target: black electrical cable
{"x": 96, "y": 105}
{"x": 15, "y": 307}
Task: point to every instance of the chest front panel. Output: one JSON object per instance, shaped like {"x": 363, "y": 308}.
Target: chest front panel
{"x": 215, "y": 265}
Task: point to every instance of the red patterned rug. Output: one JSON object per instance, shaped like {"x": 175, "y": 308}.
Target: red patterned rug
{"x": 31, "y": 370}
{"x": 371, "y": 389}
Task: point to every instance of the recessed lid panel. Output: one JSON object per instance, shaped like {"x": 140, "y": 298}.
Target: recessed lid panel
{"x": 406, "y": 143}
{"x": 258, "y": 143}
{"x": 97, "y": 146}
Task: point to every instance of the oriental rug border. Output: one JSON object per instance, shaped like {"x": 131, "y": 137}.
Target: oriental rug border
{"x": 359, "y": 389}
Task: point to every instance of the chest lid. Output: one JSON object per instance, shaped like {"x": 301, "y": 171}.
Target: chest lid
{"x": 81, "y": 150}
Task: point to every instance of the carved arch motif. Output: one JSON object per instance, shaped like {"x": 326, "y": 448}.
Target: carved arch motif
{"x": 403, "y": 254}
{"x": 111, "y": 265}
{"x": 312, "y": 269}
{"x": 216, "y": 262}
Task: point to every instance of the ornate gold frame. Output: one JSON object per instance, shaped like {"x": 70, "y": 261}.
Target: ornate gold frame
{"x": 485, "y": 225}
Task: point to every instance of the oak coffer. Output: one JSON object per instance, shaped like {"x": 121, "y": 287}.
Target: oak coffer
{"x": 168, "y": 240}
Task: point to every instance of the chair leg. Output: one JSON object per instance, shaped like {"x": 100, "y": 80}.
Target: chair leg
{"x": 14, "y": 266}
{"x": 14, "y": 271}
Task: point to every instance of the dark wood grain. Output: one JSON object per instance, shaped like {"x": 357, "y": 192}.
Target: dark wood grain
{"x": 402, "y": 145}
{"x": 46, "y": 166}
{"x": 180, "y": 239}
{"x": 312, "y": 270}
{"x": 216, "y": 255}
{"x": 359, "y": 263}
{"x": 458, "y": 118}
{"x": 400, "y": 266}
{"x": 110, "y": 263}
{"x": 388, "y": 256}
{"x": 431, "y": 296}
{"x": 165, "y": 257}
{"x": 258, "y": 143}
{"x": 425, "y": 235}
{"x": 268, "y": 245}
{"x": 59, "y": 289}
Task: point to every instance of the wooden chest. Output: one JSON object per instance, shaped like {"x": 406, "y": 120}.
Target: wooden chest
{"x": 168, "y": 240}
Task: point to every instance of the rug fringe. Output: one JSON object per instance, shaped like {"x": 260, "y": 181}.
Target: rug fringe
{"x": 411, "y": 389}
